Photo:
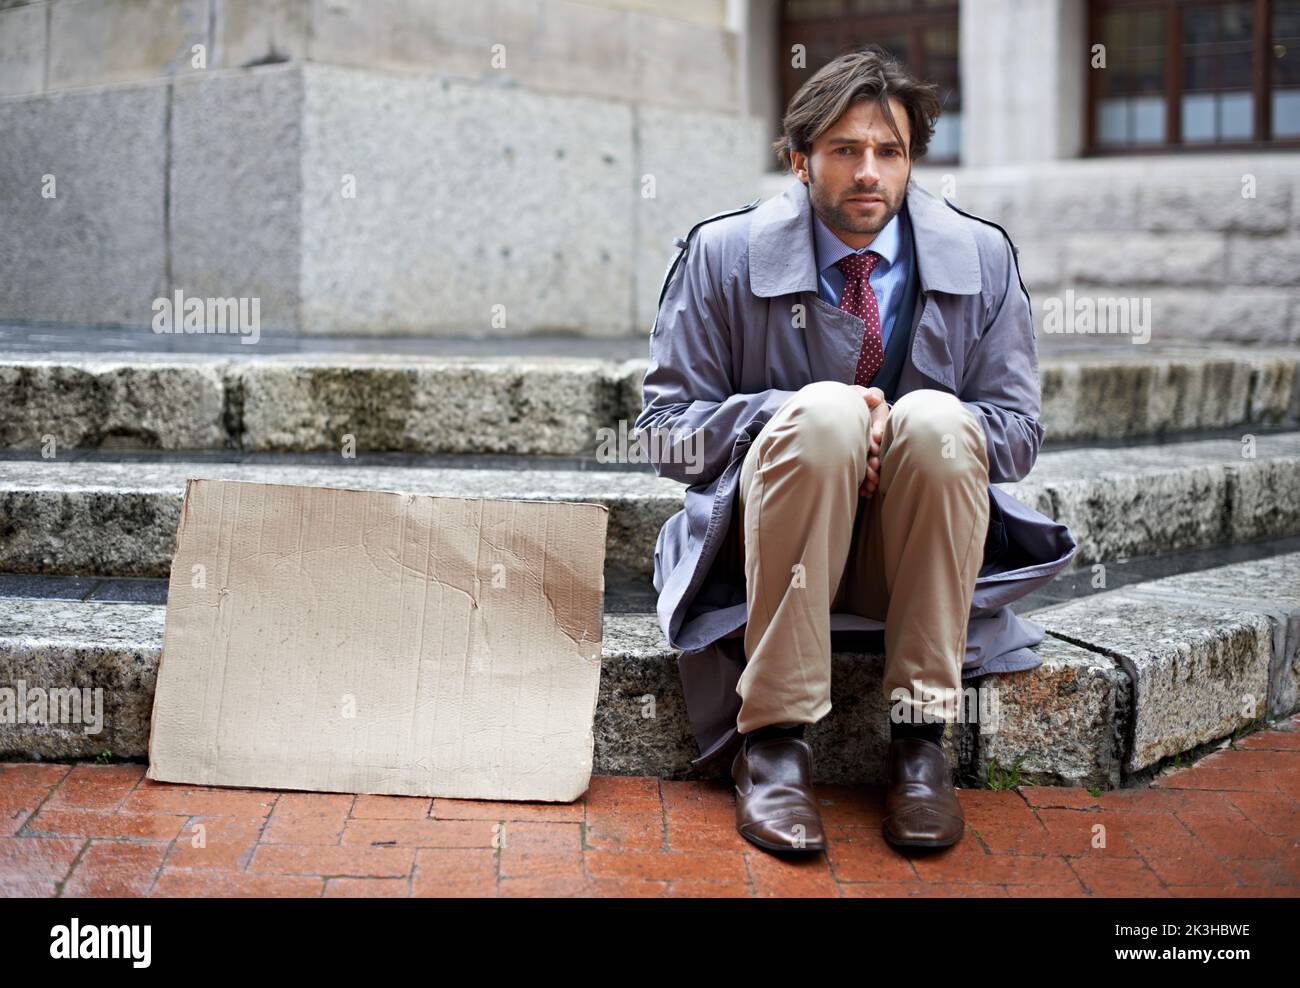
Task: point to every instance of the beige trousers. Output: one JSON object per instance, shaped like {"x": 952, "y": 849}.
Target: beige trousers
{"x": 908, "y": 555}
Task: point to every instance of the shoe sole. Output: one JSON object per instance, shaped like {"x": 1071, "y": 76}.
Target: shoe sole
{"x": 923, "y": 843}
{"x": 769, "y": 846}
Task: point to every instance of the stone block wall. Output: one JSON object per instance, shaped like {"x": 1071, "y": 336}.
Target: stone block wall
{"x": 365, "y": 168}
{"x": 1212, "y": 240}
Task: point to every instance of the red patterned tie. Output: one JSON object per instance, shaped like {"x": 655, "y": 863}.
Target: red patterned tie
{"x": 860, "y": 300}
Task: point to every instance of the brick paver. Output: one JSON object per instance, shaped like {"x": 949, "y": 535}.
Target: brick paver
{"x": 1228, "y": 825}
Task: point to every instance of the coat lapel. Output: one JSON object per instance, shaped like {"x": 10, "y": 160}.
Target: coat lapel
{"x": 783, "y": 258}
{"x": 945, "y": 247}
{"x": 783, "y": 261}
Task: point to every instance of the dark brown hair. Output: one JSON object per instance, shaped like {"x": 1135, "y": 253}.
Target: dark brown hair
{"x": 865, "y": 73}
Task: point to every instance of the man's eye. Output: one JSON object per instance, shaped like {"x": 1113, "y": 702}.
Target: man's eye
{"x": 840, "y": 150}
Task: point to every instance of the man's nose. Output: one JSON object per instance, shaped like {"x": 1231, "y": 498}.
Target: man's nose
{"x": 868, "y": 173}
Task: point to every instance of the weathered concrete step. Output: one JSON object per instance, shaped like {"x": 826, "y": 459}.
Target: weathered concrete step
{"x": 537, "y": 404}
{"x": 119, "y": 519}
{"x": 303, "y": 402}
{"x": 633, "y": 593}
{"x": 1129, "y": 678}
{"x": 1195, "y": 657}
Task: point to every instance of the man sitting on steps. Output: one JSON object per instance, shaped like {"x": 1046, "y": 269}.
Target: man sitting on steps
{"x": 858, "y": 374}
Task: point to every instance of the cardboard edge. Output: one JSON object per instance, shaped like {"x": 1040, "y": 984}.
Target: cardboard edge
{"x": 152, "y": 769}
{"x": 604, "y": 508}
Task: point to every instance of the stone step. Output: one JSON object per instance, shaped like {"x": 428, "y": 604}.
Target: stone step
{"x": 109, "y": 518}
{"x": 538, "y": 404}
{"x": 1130, "y": 678}
{"x": 120, "y": 518}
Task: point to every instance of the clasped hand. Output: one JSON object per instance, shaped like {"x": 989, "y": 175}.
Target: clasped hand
{"x": 875, "y": 399}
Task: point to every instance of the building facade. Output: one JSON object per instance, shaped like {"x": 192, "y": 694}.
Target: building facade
{"x": 512, "y": 167}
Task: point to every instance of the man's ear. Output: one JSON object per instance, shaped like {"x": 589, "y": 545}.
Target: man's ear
{"x": 799, "y": 160}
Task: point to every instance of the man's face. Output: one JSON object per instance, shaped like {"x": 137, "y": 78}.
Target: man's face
{"x": 857, "y": 172}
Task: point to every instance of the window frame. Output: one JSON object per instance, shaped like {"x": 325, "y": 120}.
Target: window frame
{"x": 1261, "y": 88}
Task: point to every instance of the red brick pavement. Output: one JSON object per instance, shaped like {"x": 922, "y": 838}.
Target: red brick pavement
{"x": 1229, "y": 825}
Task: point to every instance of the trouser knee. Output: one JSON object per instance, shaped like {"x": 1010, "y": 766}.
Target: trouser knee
{"x": 824, "y": 424}
{"x": 943, "y": 437}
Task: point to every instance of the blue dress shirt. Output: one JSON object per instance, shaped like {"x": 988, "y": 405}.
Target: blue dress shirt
{"x": 887, "y": 280}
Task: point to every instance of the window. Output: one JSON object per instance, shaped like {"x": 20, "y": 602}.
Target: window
{"x": 922, "y": 34}
{"x": 1190, "y": 74}
{"x": 1284, "y": 80}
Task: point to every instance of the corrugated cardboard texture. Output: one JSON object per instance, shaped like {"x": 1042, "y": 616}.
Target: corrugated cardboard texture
{"x": 372, "y": 642}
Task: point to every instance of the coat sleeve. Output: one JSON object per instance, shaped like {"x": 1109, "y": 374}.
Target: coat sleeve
{"x": 694, "y": 422}
{"x": 1001, "y": 384}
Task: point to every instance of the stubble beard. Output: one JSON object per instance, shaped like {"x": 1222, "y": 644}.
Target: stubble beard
{"x": 829, "y": 209}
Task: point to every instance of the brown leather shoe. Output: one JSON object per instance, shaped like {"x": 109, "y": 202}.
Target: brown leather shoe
{"x": 775, "y": 804}
{"x": 921, "y": 806}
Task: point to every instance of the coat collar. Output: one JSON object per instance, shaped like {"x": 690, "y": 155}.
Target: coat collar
{"x": 783, "y": 261}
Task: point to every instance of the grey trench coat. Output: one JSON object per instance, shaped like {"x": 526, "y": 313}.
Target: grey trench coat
{"x": 740, "y": 328}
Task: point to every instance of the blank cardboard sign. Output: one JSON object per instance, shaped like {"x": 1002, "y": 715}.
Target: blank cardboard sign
{"x": 372, "y": 642}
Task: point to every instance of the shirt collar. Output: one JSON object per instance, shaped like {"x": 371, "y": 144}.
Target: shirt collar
{"x": 831, "y": 249}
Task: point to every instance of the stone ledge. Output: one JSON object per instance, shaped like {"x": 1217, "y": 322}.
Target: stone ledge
{"x": 539, "y": 404}
{"x": 1198, "y": 672}
{"x": 1062, "y": 723}
{"x": 119, "y": 518}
